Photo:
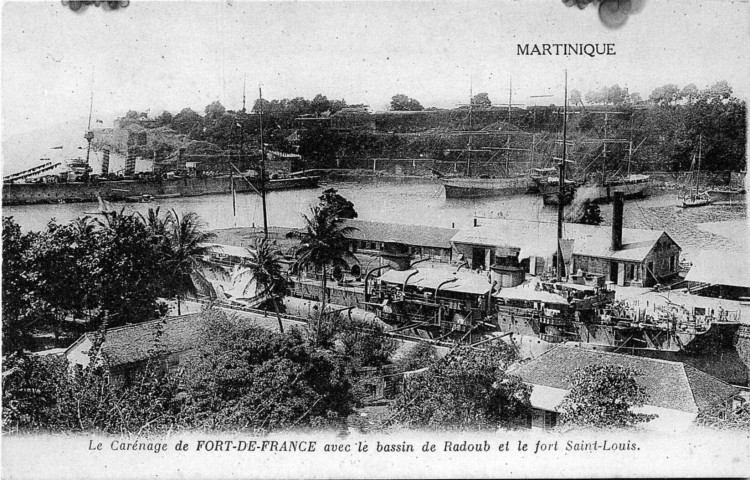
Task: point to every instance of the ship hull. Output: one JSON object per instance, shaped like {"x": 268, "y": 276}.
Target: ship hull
{"x": 40, "y": 193}
{"x": 606, "y": 193}
{"x": 490, "y": 187}
{"x": 731, "y": 196}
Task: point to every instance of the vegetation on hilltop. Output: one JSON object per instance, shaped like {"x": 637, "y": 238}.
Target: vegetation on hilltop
{"x": 665, "y": 128}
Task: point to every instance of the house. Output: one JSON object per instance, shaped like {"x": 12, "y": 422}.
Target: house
{"x": 624, "y": 256}
{"x": 677, "y": 392}
{"x": 635, "y": 257}
{"x": 373, "y": 238}
{"x": 170, "y": 342}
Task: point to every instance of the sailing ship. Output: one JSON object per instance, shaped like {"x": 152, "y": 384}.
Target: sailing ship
{"x": 695, "y": 198}
{"x": 603, "y": 187}
{"x": 467, "y": 186}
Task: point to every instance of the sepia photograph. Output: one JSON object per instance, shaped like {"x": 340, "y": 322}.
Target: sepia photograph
{"x": 375, "y": 239}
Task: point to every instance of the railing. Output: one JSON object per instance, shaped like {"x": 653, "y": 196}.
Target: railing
{"x": 557, "y": 321}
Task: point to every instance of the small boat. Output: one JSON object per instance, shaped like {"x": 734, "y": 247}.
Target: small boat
{"x": 167, "y": 195}
{"x": 694, "y": 198}
{"x": 145, "y": 198}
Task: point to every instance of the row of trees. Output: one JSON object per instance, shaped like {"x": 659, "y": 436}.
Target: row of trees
{"x": 90, "y": 272}
{"x": 244, "y": 378}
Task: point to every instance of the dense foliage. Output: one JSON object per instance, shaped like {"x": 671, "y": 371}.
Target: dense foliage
{"x": 602, "y": 396}
{"x": 403, "y": 102}
{"x": 72, "y": 278}
{"x": 665, "y": 128}
{"x": 421, "y": 356}
{"x": 468, "y": 389}
{"x": 45, "y": 394}
{"x": 336, "y": 205}
{"x": 248, "y": 377}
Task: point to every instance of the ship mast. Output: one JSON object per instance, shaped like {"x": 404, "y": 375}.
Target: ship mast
{"x": 262, "y": 166}
{"x": 561, "y": 188}
{"x": 468, "y": 152}
{"x": 698, "y": 175}
{"x": 89, "y": 135}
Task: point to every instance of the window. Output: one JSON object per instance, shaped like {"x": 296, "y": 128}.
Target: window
{"x": 671, "y": 263}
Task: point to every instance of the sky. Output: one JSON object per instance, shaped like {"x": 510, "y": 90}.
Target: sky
{"x": 170, "y": 55}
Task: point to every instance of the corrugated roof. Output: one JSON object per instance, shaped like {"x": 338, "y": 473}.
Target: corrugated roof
{"x": 721, "y": 268}
{"x": 466, "y": 281}
{"x": 670, "y": 385}
{"x": 540, "y": 238}
{"x": 135, "y": 343}
{"x": 417, "y": 235}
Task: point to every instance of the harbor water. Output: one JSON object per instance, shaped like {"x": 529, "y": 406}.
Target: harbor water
{"x": 422, "y": 201}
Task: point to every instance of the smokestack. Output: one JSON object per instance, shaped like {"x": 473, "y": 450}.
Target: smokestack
{"x": 617, "y": 210}
{"x": 105, "y": 163}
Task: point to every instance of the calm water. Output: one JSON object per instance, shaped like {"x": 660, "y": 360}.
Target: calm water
{"x": 417, "y": 201}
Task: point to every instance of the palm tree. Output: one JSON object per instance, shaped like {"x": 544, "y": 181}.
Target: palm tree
{"x": 265, "y": 270}
{"x": 157, "y": 225}
{"x": 187, "y": 249}
{"x": 324, "y": 244}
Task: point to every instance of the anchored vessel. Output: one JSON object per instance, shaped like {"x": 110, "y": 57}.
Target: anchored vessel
{"x": 77, "y": 183}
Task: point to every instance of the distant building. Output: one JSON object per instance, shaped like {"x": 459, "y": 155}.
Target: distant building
{"x": 677, "y": 392}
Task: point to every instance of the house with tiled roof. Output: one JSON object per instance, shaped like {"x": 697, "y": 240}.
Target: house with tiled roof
{"x": 420, "y": 241}
{"x": 170, "y": 342}
{"x": 676, "y": 392}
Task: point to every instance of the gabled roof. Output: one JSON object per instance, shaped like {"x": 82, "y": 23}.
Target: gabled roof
{"x": 634, "y": 247}
{"x": 671, "y": 385}
{"x": 540, "y": 238}
{"x": 135, "y": 343}
{"x": 721, "y": 268}
{"x": 416, "y": 235}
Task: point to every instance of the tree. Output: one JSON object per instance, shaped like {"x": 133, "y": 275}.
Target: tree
{"x": 592, "y": 214}
{"x": 467, "y": 389}
{"x": 601, "y": 396}
{"x": 422, "y": 355}
{"x": 247, "y": 377}
{"x": 481, "y": 100}
{"x": 186, "y": 121}
{"x": 165, "y": 118}
{"x": 320, "y": 104}
{"x": 129, "y": 270}
{"x": 365, "y": 343}
{"x": 17, "y": 286}
{"x": 689, "y": 92}
{"x": 337, "y": 205}
{"x": 265, "y": 270}
{"x": 401, "y": 102}
{"x": 214, "y": 110}
{"x": 665, "y": 95}
{"x": 324, "y": 244}
{"x": 186, "y": 257}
